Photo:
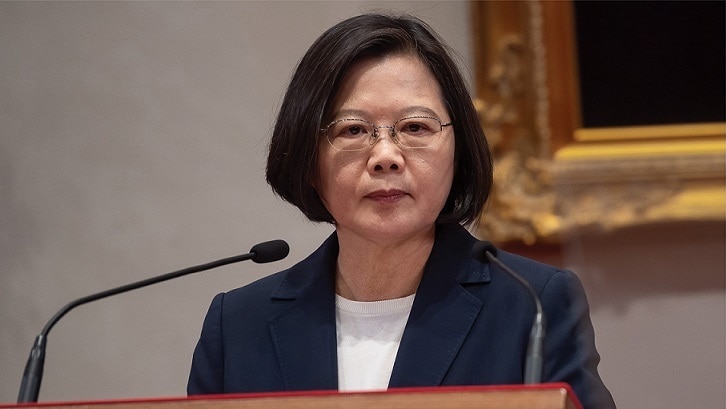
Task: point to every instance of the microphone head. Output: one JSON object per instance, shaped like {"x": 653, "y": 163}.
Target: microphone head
{"x": 480, "y": 248}
{"x": 270, "y": 251}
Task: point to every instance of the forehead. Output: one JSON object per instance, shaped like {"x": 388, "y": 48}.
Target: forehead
{"x": 395, "y": 84}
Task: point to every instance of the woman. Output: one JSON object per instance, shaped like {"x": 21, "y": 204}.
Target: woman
{"x": 377, "y": 135}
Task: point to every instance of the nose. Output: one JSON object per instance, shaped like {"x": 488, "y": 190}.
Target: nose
{"x": 385, "y": 154}
{"x": 377, "y": 131}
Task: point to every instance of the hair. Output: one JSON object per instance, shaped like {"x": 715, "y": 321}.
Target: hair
{"x": 292, "y": 162}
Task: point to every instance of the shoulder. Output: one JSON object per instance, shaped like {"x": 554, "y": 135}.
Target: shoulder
{"x": 559, "y": 290}
{"x": 288, "y": 283}
{"x": 544, "y": 278}
{"x": 254, "y": 292}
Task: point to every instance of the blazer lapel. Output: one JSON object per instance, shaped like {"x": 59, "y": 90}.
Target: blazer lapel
{"x": 304, "y": 333}
{"x": 443, "y": 311}
{"x": 442, "y": 314}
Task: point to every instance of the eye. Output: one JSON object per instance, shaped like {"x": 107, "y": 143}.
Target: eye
{"x": 412, "y": 127}
{"x": 418, "y": 126}
{"x": 349, "y": 128}
{"x": 354, "y": 130}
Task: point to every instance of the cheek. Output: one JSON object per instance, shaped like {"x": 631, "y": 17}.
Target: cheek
{"x": 324, "y": 172}
{"x": 442, "y": 164}
{"x": 337, "y": 177}
{"x": 443, "y": 176}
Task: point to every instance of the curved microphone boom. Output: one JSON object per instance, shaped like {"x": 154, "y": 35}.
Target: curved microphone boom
{"x": 485, "y": 252}
{"x": 265, "y": 252}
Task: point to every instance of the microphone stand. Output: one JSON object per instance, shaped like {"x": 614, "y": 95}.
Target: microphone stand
{"x": 33, "y": 373}
{"x": 486, "y": 252}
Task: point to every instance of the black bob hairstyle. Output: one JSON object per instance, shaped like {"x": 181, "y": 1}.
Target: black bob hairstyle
{"x": 292, "y": 163}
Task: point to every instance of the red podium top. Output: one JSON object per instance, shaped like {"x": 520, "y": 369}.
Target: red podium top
{"x": 541, "y": 396}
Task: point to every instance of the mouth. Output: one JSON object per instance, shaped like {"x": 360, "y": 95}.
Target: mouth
{"x": 387, "y": 196}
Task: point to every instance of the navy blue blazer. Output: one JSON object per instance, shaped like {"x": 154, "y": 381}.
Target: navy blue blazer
{"x": 469, "y": 325}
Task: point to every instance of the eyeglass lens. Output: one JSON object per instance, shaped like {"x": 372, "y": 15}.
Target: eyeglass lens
{"x": 357, "y": 134}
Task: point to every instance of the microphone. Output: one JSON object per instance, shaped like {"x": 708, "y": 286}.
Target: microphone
{"x": 485, "y": 252}
{"x": 265, "y": 252}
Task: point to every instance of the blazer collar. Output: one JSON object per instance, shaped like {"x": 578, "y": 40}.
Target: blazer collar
{"x": 451, "y": 251}
{"x": 304, "y": 333}
{"x": 443, "y": 310}
{"x": 302, "y": 275}
{"x": 442, "y": 314}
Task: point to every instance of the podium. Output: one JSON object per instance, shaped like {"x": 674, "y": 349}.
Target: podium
{"x": 541, "y": 396}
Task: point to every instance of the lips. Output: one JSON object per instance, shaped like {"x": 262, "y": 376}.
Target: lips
{"x": 387, "y": 196}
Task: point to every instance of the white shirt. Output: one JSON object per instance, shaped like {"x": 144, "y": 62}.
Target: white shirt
{"x": 368, "y": 334}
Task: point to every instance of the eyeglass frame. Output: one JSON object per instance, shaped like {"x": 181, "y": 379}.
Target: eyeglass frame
{"x": 374, "y": 137}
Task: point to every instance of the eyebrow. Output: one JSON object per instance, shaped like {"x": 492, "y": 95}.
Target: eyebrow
{"x": 408, "y": 111}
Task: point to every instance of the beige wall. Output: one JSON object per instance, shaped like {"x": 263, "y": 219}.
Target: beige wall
{"x": 657, "y": 302}
{"x": 132, "y": 143}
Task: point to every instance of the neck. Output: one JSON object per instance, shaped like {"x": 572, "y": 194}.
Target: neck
{"x": 371, "y": 271}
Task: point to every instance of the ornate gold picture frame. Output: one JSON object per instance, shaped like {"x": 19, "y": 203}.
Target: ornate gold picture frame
{"x": 552, "y": 175}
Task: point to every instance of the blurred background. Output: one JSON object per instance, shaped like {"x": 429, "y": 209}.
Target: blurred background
{"x": 133, "y": 138}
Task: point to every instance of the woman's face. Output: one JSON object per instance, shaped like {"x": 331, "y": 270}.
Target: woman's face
{"x": 387, "y": 193}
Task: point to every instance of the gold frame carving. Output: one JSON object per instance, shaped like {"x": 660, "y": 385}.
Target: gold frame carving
{"x": 551, "y": 175}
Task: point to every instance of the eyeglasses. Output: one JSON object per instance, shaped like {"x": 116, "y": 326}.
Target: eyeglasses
{"x": 351, "y": 134}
